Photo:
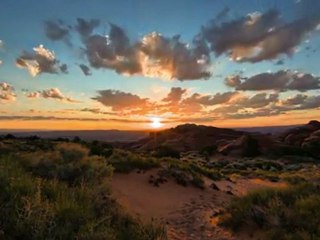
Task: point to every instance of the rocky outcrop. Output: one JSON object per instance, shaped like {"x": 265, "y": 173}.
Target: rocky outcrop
{"x": 301, "y": 141}
{"x": 188, "y": 137}
{"x": 306, "y": 137}
{"x": 246, "y": 146}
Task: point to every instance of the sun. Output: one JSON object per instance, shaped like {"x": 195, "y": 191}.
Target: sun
{"x": 156, "y": 122}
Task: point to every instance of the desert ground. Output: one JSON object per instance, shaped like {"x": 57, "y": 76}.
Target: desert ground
{"x": 187, "y": 212}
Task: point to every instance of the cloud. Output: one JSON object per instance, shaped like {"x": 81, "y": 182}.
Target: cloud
{"x": 48, "y": 118}
{"x": 210, "y": 100}
{"x": 258, "y": 100}
{"x": 52, "y": 93}
{"x": 233, "y": 80}
{"x": 33, "y": 95}
{"x": 96, "y": 111}
{"x": 175, "y": 95}
{"x": 258, "y": 36}
{"x": 253, "y": 113}
{"x": 222, "y": 14}
{"x": 41, "y": 61}
{"x": 56, "y": 31}
{"x": 154, "y": 55}
{"x": 258, "y": 105}
{"x": 121, "y": 101}
{"x": 300, "y": 102}
{"x": 295, "y": 100}
{"x": 64, "y": 68}
{"x": 263, "y": 104}
{"x": 280, "y": 81}
{"x": 279, "y": 62}
{"x": 86, "y": 27}
{"x": 7, "y": 93}
{"x": 177, "y": 103}
{"x": 85, "y": 69}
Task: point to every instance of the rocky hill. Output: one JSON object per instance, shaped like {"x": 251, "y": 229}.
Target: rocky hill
{"x": 298, "y": 141}
{"x": 306, "y": 137}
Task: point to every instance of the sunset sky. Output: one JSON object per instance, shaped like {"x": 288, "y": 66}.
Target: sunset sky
{"x": 96, "y": 64}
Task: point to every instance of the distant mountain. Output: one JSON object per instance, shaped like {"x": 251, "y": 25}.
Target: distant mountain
{"x": 268, "y": 129}
{"x": 88, "y": 135}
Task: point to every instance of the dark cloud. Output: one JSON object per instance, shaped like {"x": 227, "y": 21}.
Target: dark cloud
{"x": 258, "y": 36}
{"x": 175, "y": 95}
{"x": 280, "y": 81}
{"x": 42, "y": 60}
{"x": 262, "y": 104}
{"x": 280, "y": 62}
{"x": 210, "y": 100}
{"x": 152, "y": 56}
{"x": 64, "y": 68}
{"x": 52, "y": 93}
{"x": 85, "y": 69}
{"x": 121, "y": 101}
{"x": 258, "y": 105}
{"x": 296, "y": 100}
{"x": 102, "y": 52}
{"x": 181, "y": 106}
{"x": 222, "y": 14}
{"x": 86, "y": 27}
{"x": 310, "y": 102}
{"x": 253, "y": 114}
{"x": 258, "y": 100}
{"x": 177, "y": 102}
{"x": 56, "y": 30}
{"x": 300, "y": 102}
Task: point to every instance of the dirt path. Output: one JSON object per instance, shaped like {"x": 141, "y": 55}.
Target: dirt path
{"x": 189, "y": 213}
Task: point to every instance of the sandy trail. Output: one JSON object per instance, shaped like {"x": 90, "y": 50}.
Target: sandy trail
{"x": 188, "y": 212}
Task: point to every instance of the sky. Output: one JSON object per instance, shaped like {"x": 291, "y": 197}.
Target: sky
{"x": 138, "y": 64}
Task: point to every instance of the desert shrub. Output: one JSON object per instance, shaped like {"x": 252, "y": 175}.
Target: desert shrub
{"x": 32, "y": 208}
{"x": 42, "y": 144}
{"x": 289, "y": 213}
{"x": 252, "y": 148}
{"x": 125, "y": 161}
{"x": 9, "y": 137}
{"x": 209, "y": 150}
{"x": 71, "y": 152}
{"x": 210, "y": 173}
{"x": 182, "y": 172}
{"x": 166, "y": 151}
{"x": 100, "y": 149}
{"x": 197, "y": 180}
{"x": 5, "y": 149}
{"x": 69, "y": 163}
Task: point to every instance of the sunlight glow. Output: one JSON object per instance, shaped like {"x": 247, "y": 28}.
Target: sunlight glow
{"x": 156, "y": 122}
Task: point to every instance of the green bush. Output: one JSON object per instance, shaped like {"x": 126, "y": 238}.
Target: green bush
{"x": 33, "y": 208}
{"x": 124, "y": 161}
{"x": 100, "y": 149}
{"x": 71, "y": 152}
{"x": 70, "y": 163}
{"x": 166, "y": 151}
{"x": 209, "y": 150}
{"x": 289, "y": 213}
